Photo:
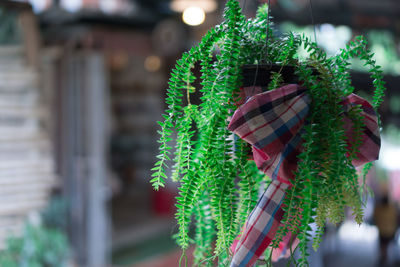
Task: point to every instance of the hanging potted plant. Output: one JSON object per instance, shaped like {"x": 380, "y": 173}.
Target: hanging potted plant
{"x": 298, "y": 119}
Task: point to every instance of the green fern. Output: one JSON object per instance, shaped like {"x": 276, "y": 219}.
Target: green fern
{"x": 218, "y": 185}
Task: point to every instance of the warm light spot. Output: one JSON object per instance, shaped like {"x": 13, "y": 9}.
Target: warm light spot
{"x": 152, "y": 63}
{"x": 118, "y": 60}
{"x": 193, "y": 16}
{"x": 206, "y": 5}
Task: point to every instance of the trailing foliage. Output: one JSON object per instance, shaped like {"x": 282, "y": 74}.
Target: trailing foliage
{"x": 219, "y": 186}
{"x": 43, "y": 241}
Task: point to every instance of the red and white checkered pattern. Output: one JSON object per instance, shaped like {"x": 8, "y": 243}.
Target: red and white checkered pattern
{"x": 272, "y": 122}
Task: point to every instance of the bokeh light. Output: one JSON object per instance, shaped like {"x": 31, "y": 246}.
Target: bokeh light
{"x": 193, "y": 16}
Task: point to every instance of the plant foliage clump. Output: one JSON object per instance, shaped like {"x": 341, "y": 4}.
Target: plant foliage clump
{"x": 42, "y": 243}
{"x": 219, "y": 186}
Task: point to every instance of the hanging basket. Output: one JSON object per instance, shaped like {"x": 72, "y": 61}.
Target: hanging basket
{"x": 317, "y": 135}
{"x": 276, "y": 123}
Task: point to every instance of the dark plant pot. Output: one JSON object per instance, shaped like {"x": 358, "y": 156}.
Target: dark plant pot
{"x": 260, "y": 75}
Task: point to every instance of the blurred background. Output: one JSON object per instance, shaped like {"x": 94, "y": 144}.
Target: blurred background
{"x": 82, "y": 84}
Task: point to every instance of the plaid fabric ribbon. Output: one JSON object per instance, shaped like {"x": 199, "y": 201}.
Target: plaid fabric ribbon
{"x": 272, "y": 123}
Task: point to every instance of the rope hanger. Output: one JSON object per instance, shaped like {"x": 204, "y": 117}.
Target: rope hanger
{"x": 266, "y": 69}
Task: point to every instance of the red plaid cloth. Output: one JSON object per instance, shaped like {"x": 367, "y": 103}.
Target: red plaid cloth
{"x": 272, "y": 123}
{"x": 261, "y": 226}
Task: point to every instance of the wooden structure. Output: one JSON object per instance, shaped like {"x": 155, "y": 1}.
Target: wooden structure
{"x": 26, "y": 155}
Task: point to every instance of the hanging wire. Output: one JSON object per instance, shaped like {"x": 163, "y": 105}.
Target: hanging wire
{"x": 266, "y": 42}
{"x": 267, "y": 35}
{"x": 268, "y": 24}
{"x": 312, "y": 21}
{"x": 244, "y": 6}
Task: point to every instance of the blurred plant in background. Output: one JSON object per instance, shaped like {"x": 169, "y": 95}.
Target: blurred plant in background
{"x": 333, "y": 38}
{"x": 43, "y": 242}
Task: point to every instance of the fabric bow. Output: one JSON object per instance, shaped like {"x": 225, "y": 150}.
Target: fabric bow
{"x": 272, "y": 123}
